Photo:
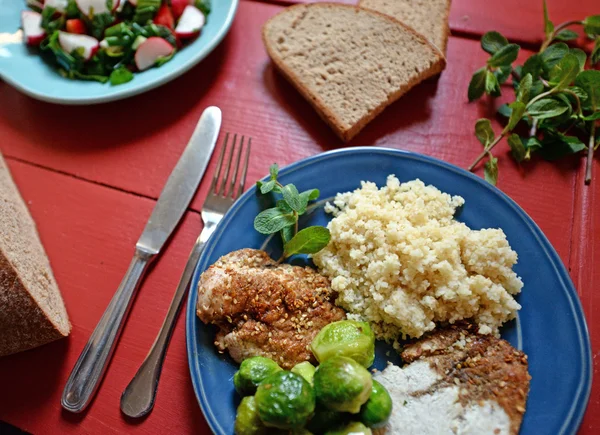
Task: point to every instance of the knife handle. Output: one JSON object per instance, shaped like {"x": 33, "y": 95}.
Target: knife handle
{"x": 138, "y": 398}
{"x": 92, "y": 362}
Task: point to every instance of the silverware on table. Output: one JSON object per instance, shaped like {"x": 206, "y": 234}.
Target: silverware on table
{"x": 138, "y": 398}
{"x": 170, "y": 207}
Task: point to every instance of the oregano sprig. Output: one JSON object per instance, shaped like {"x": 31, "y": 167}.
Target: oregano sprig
{"x": 283, "y": 218}
{"x": 556, "y": 98}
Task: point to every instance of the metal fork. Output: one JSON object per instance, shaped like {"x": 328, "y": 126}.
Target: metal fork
{"x": 138, "y": 398}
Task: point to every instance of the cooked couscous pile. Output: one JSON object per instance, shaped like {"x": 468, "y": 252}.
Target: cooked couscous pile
{"x": 399, "y": 259}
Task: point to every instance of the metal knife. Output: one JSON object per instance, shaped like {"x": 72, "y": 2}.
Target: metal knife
{"x": 170, "y": 207}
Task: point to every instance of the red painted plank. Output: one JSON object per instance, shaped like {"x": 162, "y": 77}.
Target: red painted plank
{"x": 516, "y": 19}
{"x": 89, "y": 232}
{"x": 586, "y": 274}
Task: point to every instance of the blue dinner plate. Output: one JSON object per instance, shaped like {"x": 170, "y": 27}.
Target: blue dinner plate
{"x": 23, "y": 68}
{"x": 550, "y": 328}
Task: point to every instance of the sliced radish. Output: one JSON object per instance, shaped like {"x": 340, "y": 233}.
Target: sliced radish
{"x": 150, "y": 51}
{"x": 32, "y": 27}
{"x": 59, "y": 5}
{"x": 35, "y": 4}
{"x": 133, "y": 2}
{"x": 92, "y": 7}
{"x": 178, "y": 6}
{"x": 76, "y": 25}
{"x": 71, "y": 42}
{"x": 164, "y": 17}
{"x": 190, "y": 23}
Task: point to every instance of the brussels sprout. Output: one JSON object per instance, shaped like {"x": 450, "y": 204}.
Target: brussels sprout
{"x": 345, "y": 338}
{"x": 355, "y": 428}
{"x": 306, "y": 370}
{"x": 342, "y": 384}
{"x": 247, "y": 421}
{"x": 252, "y": 372}
{"x": 325, "y": 419}
{"x": 377, "y": 410}
{"x": 285, "y": 400}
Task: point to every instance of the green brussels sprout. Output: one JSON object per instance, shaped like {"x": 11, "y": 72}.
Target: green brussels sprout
{"x": 247, "y": 421}
{"x": 376, "y": 412}
{"x": 306, "y": 370}
{"x": 355, "y": 428}
{"x": 285, "y": 400}
{"x": 342, "y": 384}
{"x": 345, "y": 338}
{"x": 252, "y": 372}
{"x": 324, "y": 419}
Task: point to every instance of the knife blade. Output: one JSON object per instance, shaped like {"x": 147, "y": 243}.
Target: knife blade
{"x": 170, "y": 207}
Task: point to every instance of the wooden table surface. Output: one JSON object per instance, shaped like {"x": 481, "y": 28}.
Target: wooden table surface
{"x": 91, "y": 175}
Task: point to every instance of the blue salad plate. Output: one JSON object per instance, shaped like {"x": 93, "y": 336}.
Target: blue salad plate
{"x": 24, "y": 69}
{"x": 550, "y": 327}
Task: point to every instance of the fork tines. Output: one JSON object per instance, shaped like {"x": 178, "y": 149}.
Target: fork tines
{"x": 218, "y": 187}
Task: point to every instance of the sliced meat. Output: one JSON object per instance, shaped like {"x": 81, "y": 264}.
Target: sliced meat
{"x": 458, "y": 382}
{"x": 265, "y": 308}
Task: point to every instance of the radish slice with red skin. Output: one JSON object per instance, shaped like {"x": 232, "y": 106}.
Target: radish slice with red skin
{"x": 150, "y": 51}
{"x": 191, "y": 22}
{"x": 59, "y": 5}
{"x": 97, "y": 6}
{"x": 35, "y": 4}
{"x": 31, "y": 22}
{"x": 72, "y": 41}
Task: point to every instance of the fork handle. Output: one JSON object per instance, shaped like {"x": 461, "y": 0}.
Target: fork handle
{"x": 92, "y": 362}
{"x": 138, "y": 398}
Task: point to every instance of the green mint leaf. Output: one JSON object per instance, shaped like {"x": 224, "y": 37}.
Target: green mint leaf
{"x": 556, "y": 145}
{"x": 517, "y": 148}
{"x": 267, "y": 186}
{"x": 505, "y": 56}
{"x": 517, "y": 111}
{"x": 120, "y": 75}
{"x": 548, "y": 25}
{"x": 477, "y": 84}
{"x": 307, "y": 241}
{"x": 484, "y": 131}
{"x": 292, "y": 197}
{"x": 532, "y": 144}
{"x": 589, "y": 81}
{"x": 580, "y": 55}
{"x": 274, "y": 171}
{"x": 524, "y": 89}
{"x": 595, "y": 56}
{"x": 287, "y": 233}
{"x": 490, "y": 171}
{"x": 272, "y": 220}
{"x": 310, "y": 195}
{"x": 564, "y": 72}
{"x": 503, "y": 73}
{"x": 533, "y": 65}
{"x": 593, "y": 117}
{"x": 283, "y": 206}
{"x": 492, "y": 87}
{"x": 591, "y": 26}
{"x": 579, "y": 92}
{"x": 504, "y": 110}
{"x": 566, "y": 35}
{"x": 536, "y": 89}
{"x": 491, "y": 42}
{"x": 553, "y": 54}
{"x": 547, "y": 108}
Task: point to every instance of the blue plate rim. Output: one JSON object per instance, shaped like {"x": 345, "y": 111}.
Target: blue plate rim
{"x": 185, "y": 67}
{"x": 570, "y": 425}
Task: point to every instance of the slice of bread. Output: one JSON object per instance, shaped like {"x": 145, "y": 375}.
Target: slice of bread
{"x": 349, "y": 63}
{"x": 32, "y": 311}
{"x": 428, "y": 17}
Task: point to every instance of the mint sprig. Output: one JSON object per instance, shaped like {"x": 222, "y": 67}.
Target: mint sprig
{"x": 557, "y": 101}
{"x": 283, "y": 218}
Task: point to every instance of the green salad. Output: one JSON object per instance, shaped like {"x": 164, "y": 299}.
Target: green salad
{"x": 110, "y": 40}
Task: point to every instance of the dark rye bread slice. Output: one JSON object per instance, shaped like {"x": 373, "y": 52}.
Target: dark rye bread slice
{"x": 349, "y": 63}
{"x": 32, "y": 311}
{"x": 428, "y": 17}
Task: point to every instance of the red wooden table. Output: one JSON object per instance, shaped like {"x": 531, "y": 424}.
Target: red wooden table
{"x": 91, "y": 178}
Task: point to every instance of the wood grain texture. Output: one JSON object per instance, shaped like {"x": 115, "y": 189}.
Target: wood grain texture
{"x": 89, "y": 233}
{"x": 518, "y": 20}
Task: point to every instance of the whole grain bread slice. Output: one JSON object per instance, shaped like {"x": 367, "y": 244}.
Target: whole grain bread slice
{"x": 32, "y": 311}
{"x": 349, "y": 63}
{"x": 428, "y": 17}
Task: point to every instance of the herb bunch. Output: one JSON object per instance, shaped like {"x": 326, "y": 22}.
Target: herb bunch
{"x": 283, "y": 218}
{"x": 557, "y": 100}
